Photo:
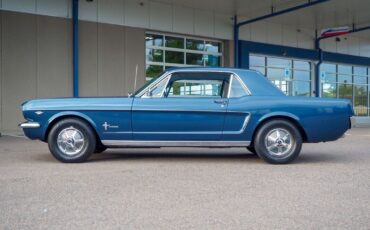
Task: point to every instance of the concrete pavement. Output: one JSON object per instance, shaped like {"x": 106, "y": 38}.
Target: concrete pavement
{"x": 327, "y": 187}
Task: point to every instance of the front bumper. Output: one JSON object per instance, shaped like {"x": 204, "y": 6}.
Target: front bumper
{"x": 29, "y": 124}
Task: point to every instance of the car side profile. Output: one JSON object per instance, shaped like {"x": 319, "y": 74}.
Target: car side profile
{"x": 189, "y": 107}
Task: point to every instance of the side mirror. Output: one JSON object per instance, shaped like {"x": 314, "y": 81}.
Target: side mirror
{"x": 130, "y": 94}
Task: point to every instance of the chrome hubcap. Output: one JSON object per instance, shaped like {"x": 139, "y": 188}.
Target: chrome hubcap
{"x": 70, "y": 141}
{"x": 279, "y": 142}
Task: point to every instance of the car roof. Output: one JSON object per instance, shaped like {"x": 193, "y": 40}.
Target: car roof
{"x": 256, "y": 82}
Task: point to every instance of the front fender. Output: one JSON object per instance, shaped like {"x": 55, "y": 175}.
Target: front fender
{"x": 59, "y": 115}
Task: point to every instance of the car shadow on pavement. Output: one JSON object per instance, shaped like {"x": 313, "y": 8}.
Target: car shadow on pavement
{"x": 204, "y": 156}
{"x": 172, "y": 157}
{"x": 310, "y": 158}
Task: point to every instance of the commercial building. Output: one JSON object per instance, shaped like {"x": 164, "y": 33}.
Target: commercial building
{"x": 119, "y": 44}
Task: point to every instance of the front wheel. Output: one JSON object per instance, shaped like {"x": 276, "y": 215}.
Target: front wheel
{"x": 278, "y": 142}
{"x": 71, "y": 140}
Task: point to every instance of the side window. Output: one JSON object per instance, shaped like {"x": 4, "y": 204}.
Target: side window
{"x": 196, "y": 85}
{"x": 237, "y": 89}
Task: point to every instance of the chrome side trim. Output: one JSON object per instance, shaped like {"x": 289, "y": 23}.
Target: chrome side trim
{"x": 245, "y": 123}
{"x": 242, "y": 129}
{"x": 184, "y": 132}
{"x": 29, "y": 124}
{"x": 181, "y": 110}
{"x": 115, "y": 143}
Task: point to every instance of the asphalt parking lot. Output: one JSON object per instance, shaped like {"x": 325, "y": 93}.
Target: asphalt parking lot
{"x": 327, "y": 187}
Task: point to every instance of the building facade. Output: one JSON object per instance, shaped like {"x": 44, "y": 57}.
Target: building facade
{"x": 123, "y": 43}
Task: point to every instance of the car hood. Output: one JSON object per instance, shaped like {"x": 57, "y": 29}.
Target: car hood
{"x": 87, "y": 103}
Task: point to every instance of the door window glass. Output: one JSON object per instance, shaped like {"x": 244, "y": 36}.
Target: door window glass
{"x": 203, "y": 88}
{"x": 197, "y": 84}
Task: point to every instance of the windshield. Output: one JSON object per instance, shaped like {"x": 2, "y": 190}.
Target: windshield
{"x": 147, "y": 83}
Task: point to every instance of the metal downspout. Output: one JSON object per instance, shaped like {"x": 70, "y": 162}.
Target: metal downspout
{"x": 236, "y": 42}
{"x": 317, "y": 68}
{"x": 75, "y": 48}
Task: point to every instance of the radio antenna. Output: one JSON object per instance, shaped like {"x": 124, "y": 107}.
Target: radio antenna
{"x": 136, "y": 69}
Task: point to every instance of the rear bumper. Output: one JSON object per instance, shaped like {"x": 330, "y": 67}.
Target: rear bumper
{"x": 29, "y": 125}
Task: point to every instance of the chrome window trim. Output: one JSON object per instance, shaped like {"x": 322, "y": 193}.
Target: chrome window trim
{"x": 230, "y": 83}
{"x": 246, "y": 89}
{"x": 156, "y": 83}
{"x": 159, "y": 79}
{"x": 169, "y": 143}
{"x": 194, "y": 71}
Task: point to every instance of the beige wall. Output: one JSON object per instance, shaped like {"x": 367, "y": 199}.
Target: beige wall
{"x": 36, "y": 61}
{"x": 19, "y": 66}
{"x": 1, "y": 102}
{"x": 109, "y": 55}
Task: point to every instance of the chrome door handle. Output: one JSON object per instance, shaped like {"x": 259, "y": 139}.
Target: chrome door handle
{"x": 220, "y": 101}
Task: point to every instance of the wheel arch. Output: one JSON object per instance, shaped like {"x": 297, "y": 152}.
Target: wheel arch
{"x": 285, "y": 116}
{"x": 64, "y": 115}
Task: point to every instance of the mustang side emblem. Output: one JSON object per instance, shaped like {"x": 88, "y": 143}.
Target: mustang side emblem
{"x": 107, "y": 126}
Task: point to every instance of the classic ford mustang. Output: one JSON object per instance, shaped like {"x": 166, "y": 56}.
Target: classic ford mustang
{"x": 189, "y": 107}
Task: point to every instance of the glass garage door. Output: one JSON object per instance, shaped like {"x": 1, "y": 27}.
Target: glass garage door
{"x": 292, "y": 76}
{"x": 165, "y": 51}
{"x": 349, "y": 82}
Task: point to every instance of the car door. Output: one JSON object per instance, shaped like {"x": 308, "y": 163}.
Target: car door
{"x": 239, "y": 112}
{"x": 182, "y": 106}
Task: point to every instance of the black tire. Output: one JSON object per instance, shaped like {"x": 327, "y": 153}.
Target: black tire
{"x": 64, "y": 130}
{"x": 100, "y": 148}
{"x": 252, "y": 150}
{"x": 273, "y": 134}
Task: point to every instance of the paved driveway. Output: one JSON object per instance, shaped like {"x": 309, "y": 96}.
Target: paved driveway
{"x": 328, "y": 186}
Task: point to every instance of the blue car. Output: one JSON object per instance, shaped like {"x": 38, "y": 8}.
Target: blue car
{"x": 189, "y": 107}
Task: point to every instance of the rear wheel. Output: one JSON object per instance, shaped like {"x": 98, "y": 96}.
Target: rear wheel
{"x": 71, "y": 140}
{"x": 278, "y": 142}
